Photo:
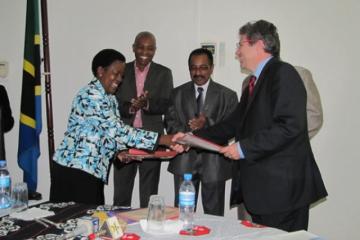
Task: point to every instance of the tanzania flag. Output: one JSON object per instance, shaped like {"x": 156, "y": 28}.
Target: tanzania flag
{"x": 30, "y": 116}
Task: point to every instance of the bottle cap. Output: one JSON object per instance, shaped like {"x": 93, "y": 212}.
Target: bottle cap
{"x": 2, "y": 163}
{"x": 187, "y": 176}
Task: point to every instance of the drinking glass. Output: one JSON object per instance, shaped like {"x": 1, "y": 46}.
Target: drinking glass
{"x": 19, "y": 196}
{"x": 156, "y": 213}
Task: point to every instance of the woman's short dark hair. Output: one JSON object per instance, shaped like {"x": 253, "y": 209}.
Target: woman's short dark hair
{"x": 263, "y": 30}
{"x": 105, "y": 58}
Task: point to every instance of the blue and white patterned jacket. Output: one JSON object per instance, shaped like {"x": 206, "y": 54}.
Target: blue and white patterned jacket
{"x": 95, "y": 133}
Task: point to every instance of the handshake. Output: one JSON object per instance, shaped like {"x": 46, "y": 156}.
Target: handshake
{"x": 170, "y": 141}
{"x": 181, "y": 142}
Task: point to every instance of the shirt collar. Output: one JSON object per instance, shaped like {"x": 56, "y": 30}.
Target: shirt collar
{"x": 146, "y": 68}
{"x": 261, "y": 66}
{"x": 98, "y": 85}
{"x": 101, "y": 89}
{"x": 205, "y": 86}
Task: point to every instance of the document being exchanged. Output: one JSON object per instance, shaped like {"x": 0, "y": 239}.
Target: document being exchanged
{"x": 194, "y": 141}
{"x": 139, "y": 155}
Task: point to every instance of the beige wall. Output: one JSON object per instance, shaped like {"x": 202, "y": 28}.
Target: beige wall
{"x": 321, "y": 35}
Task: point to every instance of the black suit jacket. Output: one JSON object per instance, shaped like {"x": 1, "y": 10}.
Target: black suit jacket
{"x": 219, "y": 103}
{"x": 159, "y": 83}
{"x": 279, "y": 172}
{"x": 7, "y": 118}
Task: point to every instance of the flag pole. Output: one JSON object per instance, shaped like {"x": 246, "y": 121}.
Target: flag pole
{"x": 47, "y": 73}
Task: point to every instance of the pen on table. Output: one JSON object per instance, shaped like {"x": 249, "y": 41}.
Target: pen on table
{"x": 50, "y": 222}
{"x": 42, "y": 223}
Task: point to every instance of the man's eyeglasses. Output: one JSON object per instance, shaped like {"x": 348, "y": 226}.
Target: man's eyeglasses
{"x": 241, "y": 43}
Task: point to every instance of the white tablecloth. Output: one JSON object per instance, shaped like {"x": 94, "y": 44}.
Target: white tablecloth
{"x": 221, "y": 228}
{"x": 7, "y": 211}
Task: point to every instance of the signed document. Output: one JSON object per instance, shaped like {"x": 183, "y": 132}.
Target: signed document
{"x": 194, "y": 141}
{"x": 139, "y": 155}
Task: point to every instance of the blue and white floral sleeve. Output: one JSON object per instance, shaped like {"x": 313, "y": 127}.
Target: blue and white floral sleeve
{"x": 95, "y": 133}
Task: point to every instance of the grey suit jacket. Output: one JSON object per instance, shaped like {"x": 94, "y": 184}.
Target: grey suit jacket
{"x": 158, "y": 83}
{"x": 313, "y": 103}
{"x": 219, "y": 103}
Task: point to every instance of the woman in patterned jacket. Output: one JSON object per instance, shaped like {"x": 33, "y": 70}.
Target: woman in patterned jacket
{"x": 95, "y": 135}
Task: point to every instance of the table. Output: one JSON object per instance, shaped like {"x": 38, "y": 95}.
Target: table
{"x": 221, "y": 228}
{"x": 7, "y": 211}
{"x": 66, "y": 215}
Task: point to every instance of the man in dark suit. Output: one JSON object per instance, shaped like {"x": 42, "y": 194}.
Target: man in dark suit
{"x": 314, "y": 110}
{"x": 190, "y": 110}
{"x": 6, "y": 116}
{"x": 6, "y": 119}
{"x": 276, "y": 174}
{"x": 143, "y": 98}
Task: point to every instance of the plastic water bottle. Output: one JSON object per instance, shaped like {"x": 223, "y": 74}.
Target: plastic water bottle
{"x": 187, "y": 202}
{"x": 5, "y": 185}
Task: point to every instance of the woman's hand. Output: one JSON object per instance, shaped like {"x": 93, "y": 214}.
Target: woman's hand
{"x": 170, "y": 141}
{"x": 123, "y": 157}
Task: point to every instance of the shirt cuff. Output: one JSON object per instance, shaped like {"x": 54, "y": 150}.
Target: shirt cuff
{"x": 240, "y": 150}
{"x": 146, "y": 108}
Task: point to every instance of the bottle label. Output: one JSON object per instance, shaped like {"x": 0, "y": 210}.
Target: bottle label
{"x": 187, "y": 199}
{"x": 4, "y": 181}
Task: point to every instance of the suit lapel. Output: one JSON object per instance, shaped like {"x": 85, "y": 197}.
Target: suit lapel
{"x": 211, "y": 97}
{"x": 150, "y": 76}
{"x": 132, "y": 82}
{"x": 189, "y": 94}
{"x": 258, "y": 85}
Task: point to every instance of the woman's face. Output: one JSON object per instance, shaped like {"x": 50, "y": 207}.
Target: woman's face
{"x": 111, "y": 76}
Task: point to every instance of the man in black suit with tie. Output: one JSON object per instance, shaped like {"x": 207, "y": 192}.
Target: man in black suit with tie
{"x": 276, "y": 174}
{"x": 197, "y": 104}
{"x": 143, "y": 98}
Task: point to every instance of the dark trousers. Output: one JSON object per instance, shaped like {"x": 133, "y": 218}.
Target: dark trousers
{"x": 290, "y": 221}
{"x": 212, "y": 194}
{"x": 70, "y": 184}
{"x": 124, "y": 177}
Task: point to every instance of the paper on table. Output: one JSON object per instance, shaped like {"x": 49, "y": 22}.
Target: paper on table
{"x": 194, "y": 141}
{"x": 31, "y": 214}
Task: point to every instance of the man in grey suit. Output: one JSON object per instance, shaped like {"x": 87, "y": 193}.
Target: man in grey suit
{"x": 143, "y": 98}
{"x": 313, "y": 103}
{"x": 192, "y": 109}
